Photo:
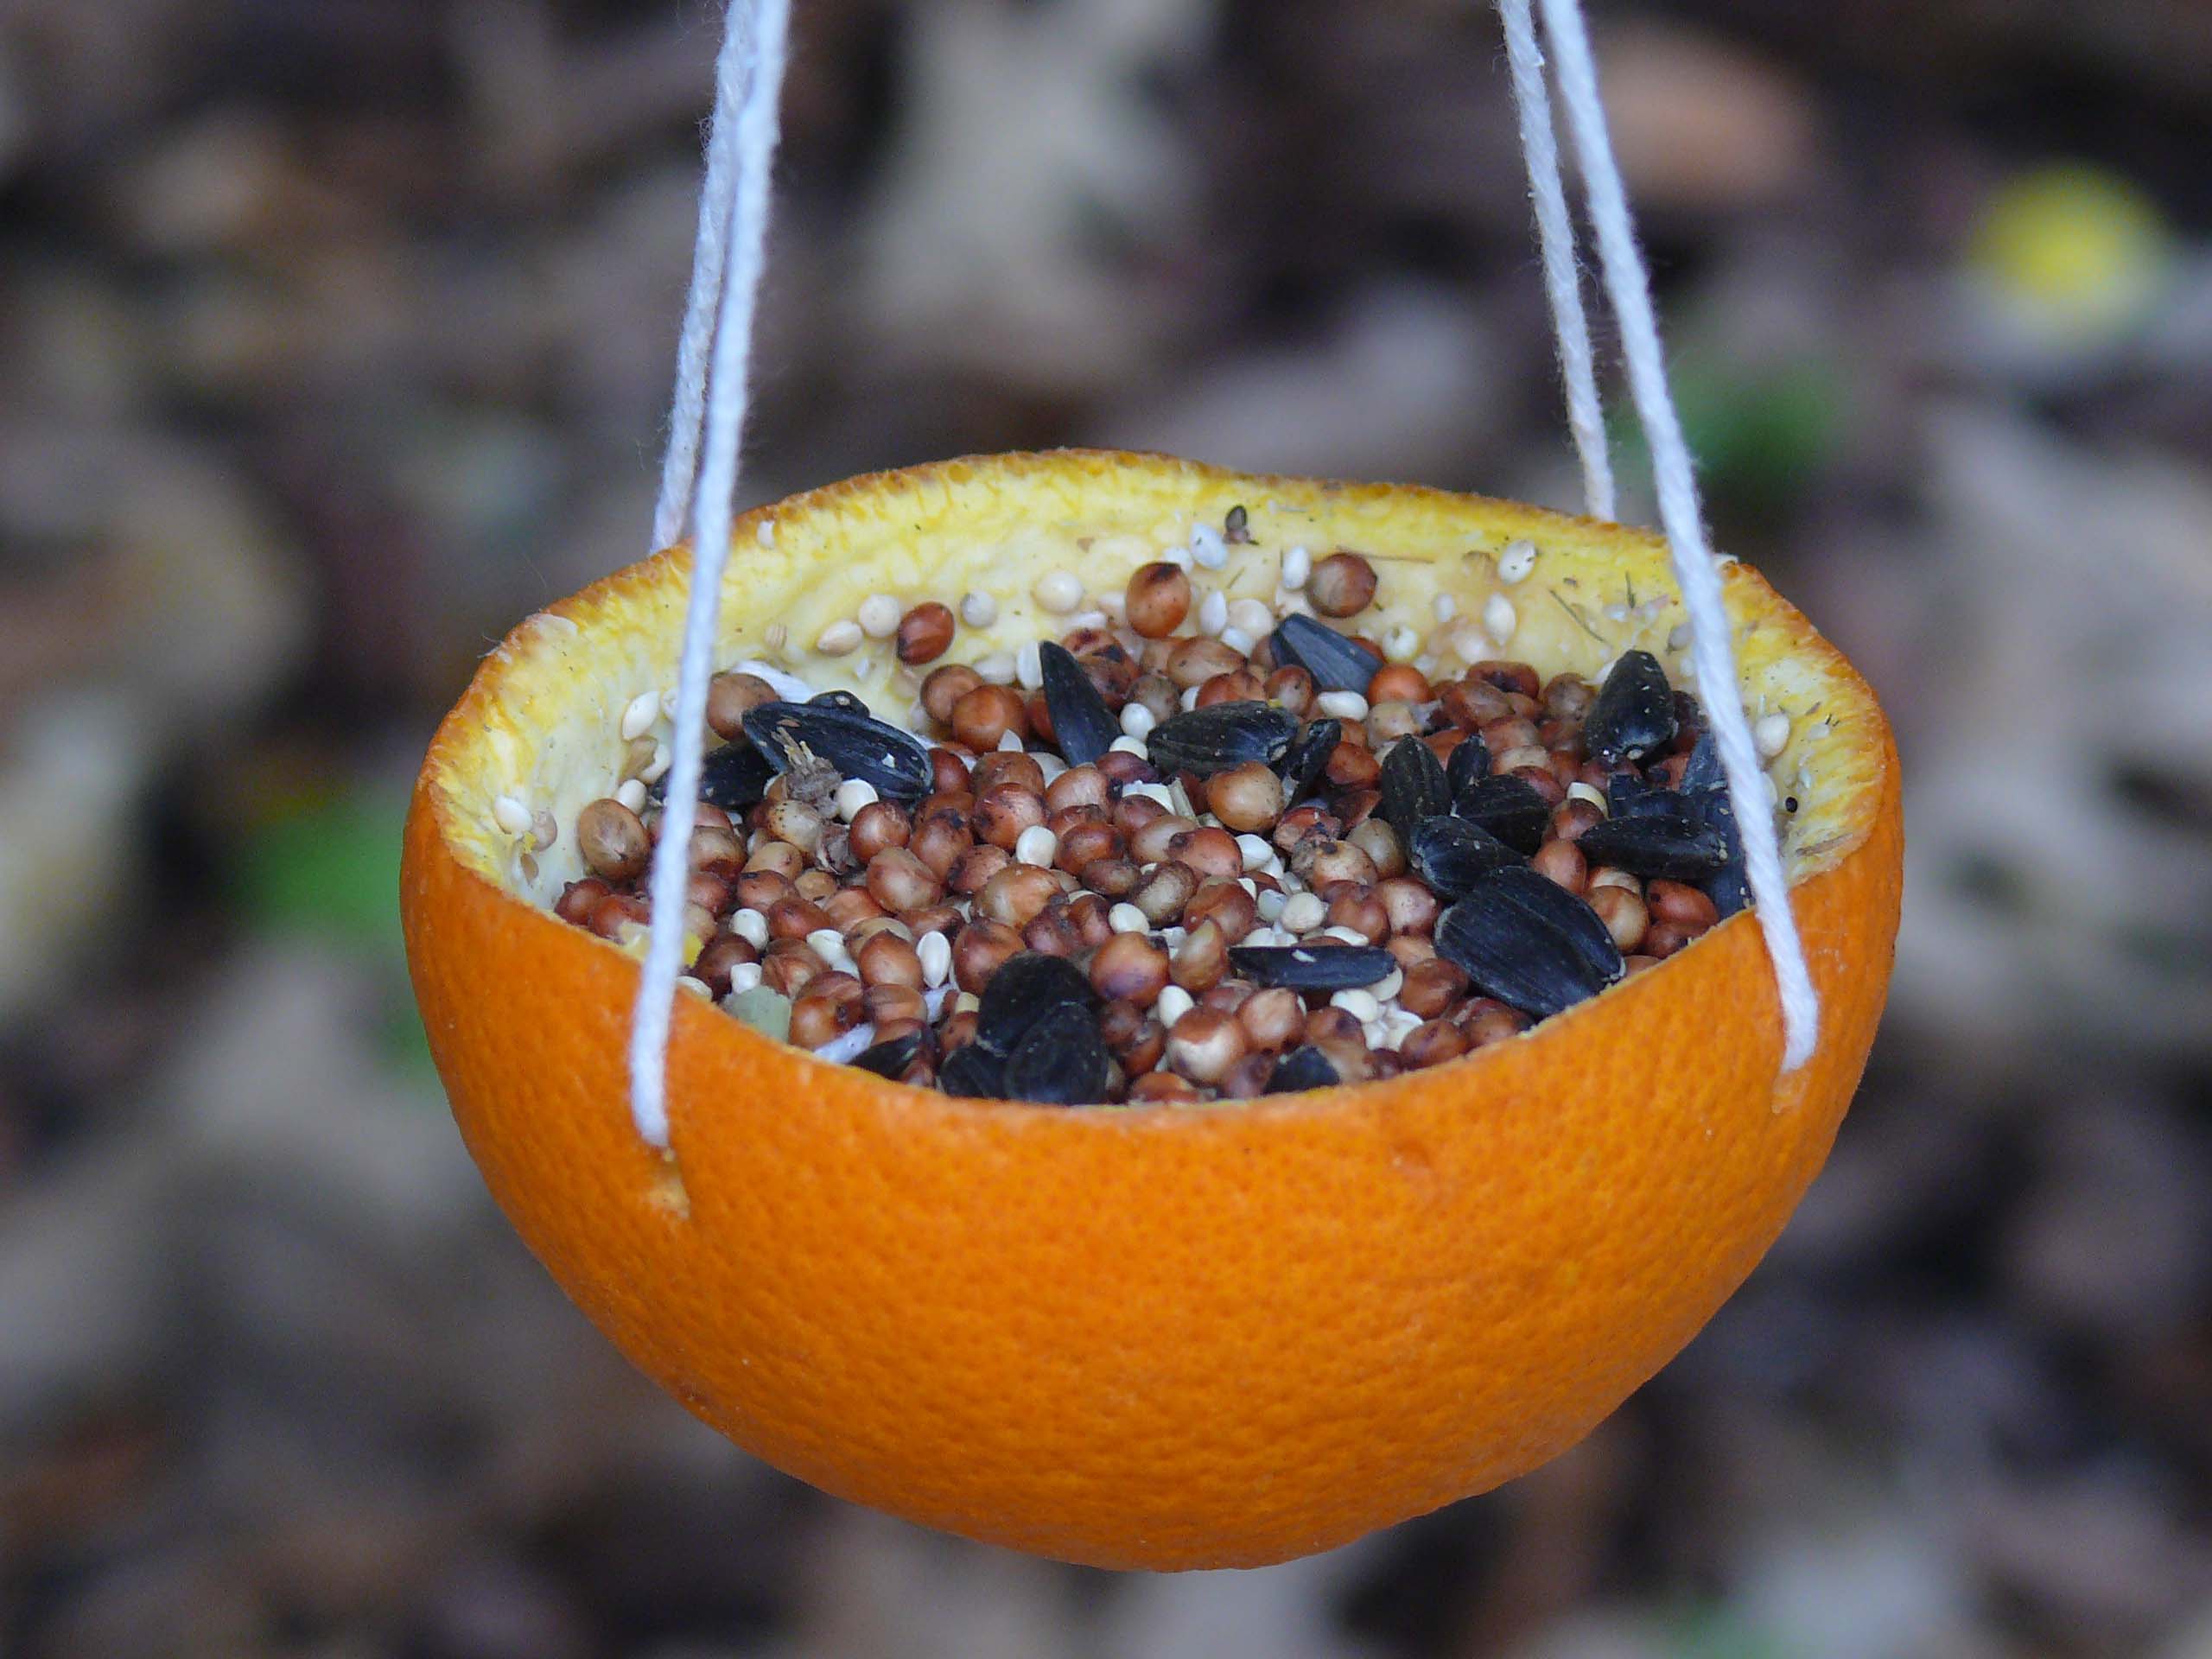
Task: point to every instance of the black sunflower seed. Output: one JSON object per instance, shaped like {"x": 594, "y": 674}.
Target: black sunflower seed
{"x": 1629, "y": 794}
{"x": 857, "y": 745}
{"x": 1507, "y": 807}
{"x": 1470, "y": 760}
{"x": 1702, "y": 773}
{"x": 1704, "y": 793}
{"x": 1515, "y": 953}
{"x": 1305, "y": 761}
{"x": 1083, "y": 726}
{"x": 1414, "y": 786}
{"x": 1554, "y": 905}
{"x": 1634, "y": 714}
{"x": 1313, "y": 967}
{"x": 974, "y": 1071}
{"x": 1337, "y": 661}
{"x": 1452, "y": 854}
{"x": 1061, "y": 1062}
{"x": 1672, "y": 845}
{"x": 836, "y": 699}
{"x": 1025, "y": 988}
{"x": 733, "y": 776}
{"x": 1303, "y": 1068}
{"x": 891, "y": 1060}
{"x": 1221, "y": 735}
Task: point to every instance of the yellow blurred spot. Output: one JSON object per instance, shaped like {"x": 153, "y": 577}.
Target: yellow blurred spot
{"x": 2083, "y": 249}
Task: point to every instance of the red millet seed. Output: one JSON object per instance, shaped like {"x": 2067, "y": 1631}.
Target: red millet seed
{"x": 1341, "y": 585}
{"x": 924, "y": 633}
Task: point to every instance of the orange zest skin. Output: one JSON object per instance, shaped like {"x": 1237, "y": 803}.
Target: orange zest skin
{"x": 1162, "y": 1338}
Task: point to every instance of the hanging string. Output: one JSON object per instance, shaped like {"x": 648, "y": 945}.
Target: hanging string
{"x": 1555, "y": 243}
{"x": 1628, "y": 285}
{"x": 725, "y": 406}
{"x": 717, "y": 193}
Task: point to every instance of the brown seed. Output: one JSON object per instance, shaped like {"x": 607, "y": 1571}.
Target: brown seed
{"x": 1358, "y": 908}
{"x": 898, "y": 881}
{"x": 1639, "y": 964}
{"x": 1333, "y": 1025}
{"x": 1568, "y": 696}
{"x": 1302, "y": 823}
{"x": 1432, "y": 987}
{"x": 1079, "y": 786}
{"x": 1432, "y": 1043}
{"x": 848, "y": 907}
{"x": 1350, "y": 1057}
{"x": 759, "y": 889}
{"x": 1115, "y": 878}
{"x": 932, "y": 918}
{"x": 1248, "y": 798}
{"x": 1202, "y": 959}
{"x": 1148, "y": 844}
{"x": 1005, "y": 812}
{"x": 1353, "y": 766}
{"x": 1129, "y": 967}
{"x": 1410, "y": 949}
{"x": 979, "y": 949}
{"x": 1399, "y": 683}
{"x": 1227, "y": 906}
{"x": 1016, "y": 893}
{"x": 817, "y": 885}
{"x": 984, "y": 716}
{"x": 886, "y": 959}
{"x": 949, "y": 770}
{"x": 1542, "y": 780}
{"x": 1003, "y": 767}
{"x": 1195, "y": 661}
{"x": 1248, "y": 1079}
{"x": 1084, "y": 844}
{"x": 796, "y": 918}
{"x": 1411, "y": 906}
{"x": 973, "y": 869}
{"x": 1605, "y": 876}
{"x": 1318, "y": 862}
{"x": 1204, "y": 1043}
{"x": 1668, "y": 774}
{"x": 1164, "y": 1088}
{"x": 1508, "y": 677}
{"x": 1389, "y": 722}
{"x": 823, "y": 1013}
{"x": 880, "y": 825}
{"x": 1471, "y": 704}
{"x": 1227, "y": 996}
{"x": 795, "y": 822}
{"x": 1356, "y": 807}
{"x": 1158, "y": 599}
{"x": 1292, "y": 688}
{"x": 1162, "y": 893}
{"x": 925, "y": 633}
{"x": 1375, "y": 838}
{"x": 730, "y": 697}
{"x": 1157, "y": 695}
{"x": 720, "y": 954}
{"x": 1561, "y": 862}
{"x": 578, "y": 898}
{"x": 612, "y": 840}
{"x": 955, "y": 1031}
{"x": 944, "y": 688}
{"x": 1493, "y": 1023}
{"x": 1341, "y": 585}
{"x": 1678, "y": 902}
{"x": 1090, "y": 917}
{"x": 789, "y": 965}
{"x": 1239, "y": 685}
{"x": 1053, "y": 932}
{"x": 1571, "y": 820}
{"x": 1209, "y": 851}
{"x": 890, "y": 1003}
{"x": 1273, "y": 1019}
{"x": 1121, "y": 1022}
{"x": 1502, "y": 737}
{"x": 1662, "y": 939}
{"x": 939, "y": 843}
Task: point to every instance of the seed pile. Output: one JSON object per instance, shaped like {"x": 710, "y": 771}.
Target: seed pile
{"x": 1166, "y": 863}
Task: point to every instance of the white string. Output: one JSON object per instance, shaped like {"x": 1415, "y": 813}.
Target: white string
{"x": 717, "y": 192}
{"x": 1555, "y": 242}
{"x": 1629, "y": 286}
{"x": 725, "y": 400}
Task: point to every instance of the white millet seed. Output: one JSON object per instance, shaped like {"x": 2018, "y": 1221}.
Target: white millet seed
{"x": 1049, "y": 764}
{"x": 1088, "y": 620}
{"x": 1445, "y": 606}
{"x": 1579, "y": 791}
{"x": 1129, "y": 745}
{"x": 1010, "y": 741}
{"x": 1498, "y": 618}
{"x": 656, "y": 768}
{"x": 1772, "y": 735}
{"x": 1257, "y": 850}
{"x": 1178, "y": 557}
{"x": 1297, "y": 566}
{"x": 545, "y": 828}
{"x": 1116, "y": 606}
{"x": 511, "y": 815}
{"x": 878, "y": 616}
{"x": 1036, "y": 845}
{"x": 1058, "y": 591}
{"x": 854, "y": 794}
{"x": 839, "y": 638}
{"x": 1213, "y": 613}
{"x": 1151, "y": 793}
{"x": 1126, "y": 918}
{"x": 1238, "y": 640}
{"x": 1252, "y": 616}
{"x": 765, "y": 534}
{"x": 1174, "y": 1002}
{"x": 696, "y": 986}
{"x": 631, "y": 795}
{"x": 1515, "y": 561}
{"x": 1678, "y": 636}
{"x": 1342, "y": 705}
{"x": 1388, "y": 987}
{"x": 1345, "y": 935}
{"x": 828, "y": 943}
{"x": 1358, "y": 1004}
{"x": 1207, "y": 548}
{"x": 776, "y": 636}
{"x": 1303, "y": 912}
{"x": 1290, "y": 602}
{"x": 746, "y": 976}
{"x": 997, "y": 669}
{"x": 936, "y": 952}
{"x": 978, "y": 610}
{"x": 1189, "y": 700}
{"x": 752, "y": 926}
{"x": 1271, "y": 904}
{"x": 1401, "y": 644}
{"x": 638, "y": 718}
{"x": 1377, "y": 1033}
{"x": 1029, "y": 665}
{"x": 1137, "y": 721}
{"x": 920, "y": 719}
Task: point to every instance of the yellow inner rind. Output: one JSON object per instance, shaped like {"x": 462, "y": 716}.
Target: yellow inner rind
{"x": 544, "y": 730}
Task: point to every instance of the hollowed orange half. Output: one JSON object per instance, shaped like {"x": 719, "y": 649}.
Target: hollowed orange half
{"x": 1163, "y": 1336}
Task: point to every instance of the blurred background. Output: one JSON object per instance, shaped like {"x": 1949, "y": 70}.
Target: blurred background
{"x": 335, "y": 335}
